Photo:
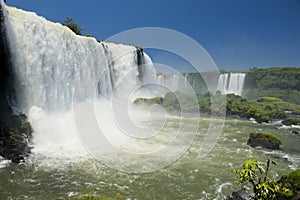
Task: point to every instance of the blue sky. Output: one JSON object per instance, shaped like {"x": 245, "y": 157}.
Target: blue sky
{"x": 238, "y": 34}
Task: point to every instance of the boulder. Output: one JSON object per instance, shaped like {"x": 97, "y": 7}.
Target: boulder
{"x": 295, "y": 132}
{"x": 264, "y": 140}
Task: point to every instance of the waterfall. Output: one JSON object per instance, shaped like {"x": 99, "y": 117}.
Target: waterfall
{"x": 232, "y": 83}
{"x": 54, "y": 67}
{"x": 223, "y": 83}
{"x": 172, "y": 82}
{"x": 56, "y": 72}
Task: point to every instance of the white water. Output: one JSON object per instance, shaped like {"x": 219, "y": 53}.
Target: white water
{"x": 57, "y": 71}
{"x": 174, "y": 82}
{"x": 232, "y": 83}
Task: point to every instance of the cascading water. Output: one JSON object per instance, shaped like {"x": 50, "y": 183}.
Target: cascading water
{"x": 232, "y": 83}
{"x": 56, "y": 70}
{"x": 173, "y": 82}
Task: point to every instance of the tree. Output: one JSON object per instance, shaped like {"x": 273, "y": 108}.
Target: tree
{"x": 68, "y": 22}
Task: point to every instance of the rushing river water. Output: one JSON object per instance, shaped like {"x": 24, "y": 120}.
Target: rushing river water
{"x": 190, "y": 177}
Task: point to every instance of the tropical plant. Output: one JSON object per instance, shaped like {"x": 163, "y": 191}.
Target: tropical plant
{"x": 263, "y": 187}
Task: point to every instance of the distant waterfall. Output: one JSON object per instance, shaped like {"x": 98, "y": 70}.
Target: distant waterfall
{"x": 53, "y": 67}
{"x": 232, "y": 83}
{"x": 172, "y": 82}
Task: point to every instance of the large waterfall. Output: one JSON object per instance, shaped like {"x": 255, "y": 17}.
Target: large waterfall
{"x": 55, "y": 67}
{"x": 232, "y": 83}
{"x": 56, "y": 70}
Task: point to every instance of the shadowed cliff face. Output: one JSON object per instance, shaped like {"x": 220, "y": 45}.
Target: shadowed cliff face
{"x": 15, "y": 131}
{"x": 5, "y": 72}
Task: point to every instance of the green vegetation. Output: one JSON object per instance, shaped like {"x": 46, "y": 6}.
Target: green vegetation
{"x": 173, "y": 102}
{"x": 152, "y": 101}
{"x": 68, "y": 22}
{"x": 283, "y": 83}
{"x": 255, "y": 175}
{"x": 263, "y": 109}
{"x": 292, "y": 178}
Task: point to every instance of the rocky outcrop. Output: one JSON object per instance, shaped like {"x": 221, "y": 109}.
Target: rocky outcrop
{"x": 264, "y": 140}
{"x": 15, "y": 134}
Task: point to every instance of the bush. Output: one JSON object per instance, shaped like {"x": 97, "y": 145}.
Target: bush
{"x": 68, "y": 22}
{"x": 293, "y": 178}
{"x": 263, "y": 188}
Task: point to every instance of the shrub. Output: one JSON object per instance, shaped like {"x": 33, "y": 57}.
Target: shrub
{"x": 254, "y": 174}
{"x": 68, "y": 22}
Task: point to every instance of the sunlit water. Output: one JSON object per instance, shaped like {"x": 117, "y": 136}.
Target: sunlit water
{"x": 188, "y": 178}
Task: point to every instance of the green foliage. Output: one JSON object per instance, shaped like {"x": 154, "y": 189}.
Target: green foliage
{"x": 263, "y": 187}
{"x": 281, "y": 78}
{"x": 263, "y": 109}
{"x": 283, "y": 83}
{"x": 249, "y": 172}
{"x": 293, "y": 178}
{"x": 68, "y": 22}
{"x": 151, "y": 101}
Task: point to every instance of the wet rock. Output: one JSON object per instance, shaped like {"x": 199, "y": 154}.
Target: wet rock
{"x": 15, "y": 131}
{"x": 295, "y": 132}
{"x": 264, "y": 140}
{"x": 15, "y": 134}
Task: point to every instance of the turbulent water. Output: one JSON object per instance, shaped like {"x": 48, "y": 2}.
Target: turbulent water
{"x": 190, "y": 177}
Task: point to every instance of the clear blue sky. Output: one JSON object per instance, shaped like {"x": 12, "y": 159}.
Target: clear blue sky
{"x": 238, "y": 34}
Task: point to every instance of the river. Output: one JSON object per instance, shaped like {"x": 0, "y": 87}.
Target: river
{"x": 189, "y": 177}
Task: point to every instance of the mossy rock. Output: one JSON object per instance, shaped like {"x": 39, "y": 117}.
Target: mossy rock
{"x": 264, "y": 140}
{"x": 291, "y": 121}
